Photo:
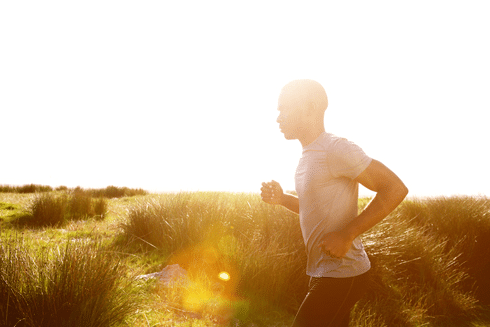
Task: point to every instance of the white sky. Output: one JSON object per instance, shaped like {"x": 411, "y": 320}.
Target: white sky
{"x": 181, "y": 95}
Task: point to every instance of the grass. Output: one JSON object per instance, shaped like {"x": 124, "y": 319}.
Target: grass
{"x": 71, "y": 284}
{"x": 55, "y": 209}
{"x": 429, "y": 260}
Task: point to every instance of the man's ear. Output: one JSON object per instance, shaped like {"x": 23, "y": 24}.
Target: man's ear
{"x": 310, "y": 109}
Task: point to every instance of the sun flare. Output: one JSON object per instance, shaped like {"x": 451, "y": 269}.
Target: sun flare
{"x": 224, "y": 276}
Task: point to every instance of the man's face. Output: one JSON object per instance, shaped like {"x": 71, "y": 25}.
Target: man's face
{"x": 289, "y": 119}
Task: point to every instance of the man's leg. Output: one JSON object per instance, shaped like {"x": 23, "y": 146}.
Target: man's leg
{"x": 329, "y": 301}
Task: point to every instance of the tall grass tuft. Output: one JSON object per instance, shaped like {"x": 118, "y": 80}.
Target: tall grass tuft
{"x": 76, "y": 284}
{"x": 79, "y": 206}
{"x": 49, "y": 210}
{"x": 260, "y": 244}
{"x": 465, "y": 223}
{"x": 55, "y": 209}
{"x": 420, "y": 265}
{"x": 100, "y": 207}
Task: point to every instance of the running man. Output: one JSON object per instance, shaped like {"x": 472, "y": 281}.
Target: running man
{"x": 327, "y": 180}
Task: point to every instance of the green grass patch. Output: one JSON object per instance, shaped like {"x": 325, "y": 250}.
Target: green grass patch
{"x": 7, "y": 210}
{"x": 10, "y": 212}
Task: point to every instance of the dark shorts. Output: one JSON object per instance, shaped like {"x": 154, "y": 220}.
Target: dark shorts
{"x": 329, "y": 301}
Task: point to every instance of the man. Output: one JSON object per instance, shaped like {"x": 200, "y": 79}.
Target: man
{"x": 327, "y": 179}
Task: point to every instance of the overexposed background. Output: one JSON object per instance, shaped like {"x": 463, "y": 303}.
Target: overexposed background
{"x": 181, "y": 95}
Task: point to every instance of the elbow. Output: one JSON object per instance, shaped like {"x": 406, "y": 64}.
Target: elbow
{"x": 397, "y": 192}
{"x": 402, "y": 192}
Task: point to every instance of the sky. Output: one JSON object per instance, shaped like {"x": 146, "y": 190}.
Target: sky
{"x": 175, "y": 96}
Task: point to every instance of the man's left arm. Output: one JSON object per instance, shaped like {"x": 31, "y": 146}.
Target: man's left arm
{"x": 390, "y": 192}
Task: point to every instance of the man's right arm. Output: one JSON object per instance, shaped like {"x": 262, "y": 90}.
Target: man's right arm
{"x": 290, "y": 202}
{"x": 272, "y": 193}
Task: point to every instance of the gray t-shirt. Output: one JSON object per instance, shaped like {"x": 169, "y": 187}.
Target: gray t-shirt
{"x": 328, "y": 197}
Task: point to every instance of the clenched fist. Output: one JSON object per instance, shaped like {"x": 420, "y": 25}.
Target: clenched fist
{"x": 336, "y": 244}
{"x": 272, "y": 192}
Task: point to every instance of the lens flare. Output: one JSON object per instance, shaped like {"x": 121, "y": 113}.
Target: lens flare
{"x": 224, "y": 276}
{"x": 196, "y": 296}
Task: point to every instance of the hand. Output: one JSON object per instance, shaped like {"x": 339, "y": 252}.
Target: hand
{"x": 336, "y": 244}
{"x": 272, "y": 192}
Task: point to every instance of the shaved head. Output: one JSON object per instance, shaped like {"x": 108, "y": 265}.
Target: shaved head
{"x": 302, "y": 104}
{"x": 304, "y": 92}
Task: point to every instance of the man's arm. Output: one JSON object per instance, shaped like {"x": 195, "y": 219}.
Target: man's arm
{"x": 272, "y": 193}
{"x": 290, "y": 202}
{"x": 390, "y": 192}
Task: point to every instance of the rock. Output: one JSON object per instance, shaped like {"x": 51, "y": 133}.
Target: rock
{"x": 169, "y": 275}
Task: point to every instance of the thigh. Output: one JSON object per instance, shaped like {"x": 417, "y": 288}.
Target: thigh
{"x": 329, "y": 301}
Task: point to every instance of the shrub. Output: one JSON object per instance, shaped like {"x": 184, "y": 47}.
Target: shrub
{"x": 33, "y": 188}
{"x": 7, "y": 189}
{"x": 28, "y": 188}
{"x": 108, "y": 192}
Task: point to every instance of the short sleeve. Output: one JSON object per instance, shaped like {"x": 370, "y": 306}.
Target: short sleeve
{"x": 346, "y": 159}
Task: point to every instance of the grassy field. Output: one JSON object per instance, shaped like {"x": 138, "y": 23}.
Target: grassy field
{"x": 245, "y": 261}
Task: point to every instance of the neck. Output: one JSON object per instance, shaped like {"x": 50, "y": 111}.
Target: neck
{"x": 311, "y": 135}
